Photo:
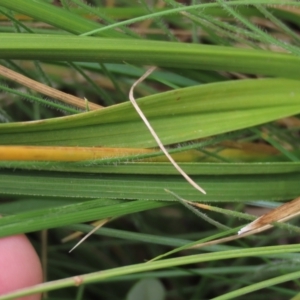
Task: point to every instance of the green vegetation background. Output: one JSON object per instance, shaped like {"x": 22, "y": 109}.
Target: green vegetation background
{"x": 225, "y": 98}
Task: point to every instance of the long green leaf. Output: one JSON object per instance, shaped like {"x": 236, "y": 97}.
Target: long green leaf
{"x": 73, "y": 213}
{"x": 59, "y": 17}
{"x": 167, "y": 54}
{"x": 162, "y": 168}
{"x": 177, "y": 116}
{"x": 219, "y": 188}
{"x": 166, "y": 263}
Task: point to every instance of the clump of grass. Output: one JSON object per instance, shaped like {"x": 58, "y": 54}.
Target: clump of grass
{"x": 224, "y": 101}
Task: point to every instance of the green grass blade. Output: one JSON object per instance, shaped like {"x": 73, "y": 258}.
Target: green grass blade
{"x": 177, "y": 116}
{"x": 165, "y": 54}
{"x": 167, "y": 263}
{"x": 58, "y": 17}
{"x": 258, "y": 286}
{"x": 73, "y": 213}
{"x": 88, "y": 186}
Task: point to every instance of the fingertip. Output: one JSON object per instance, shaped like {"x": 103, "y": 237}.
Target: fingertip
{"x": 20, "y": 266}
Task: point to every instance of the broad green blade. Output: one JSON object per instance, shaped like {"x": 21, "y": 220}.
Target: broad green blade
{"x": 164, "y": 54}
{"x": 152, "y": 187}
{"x": 177, "y": 116}
{"x": 73, "y": 213}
